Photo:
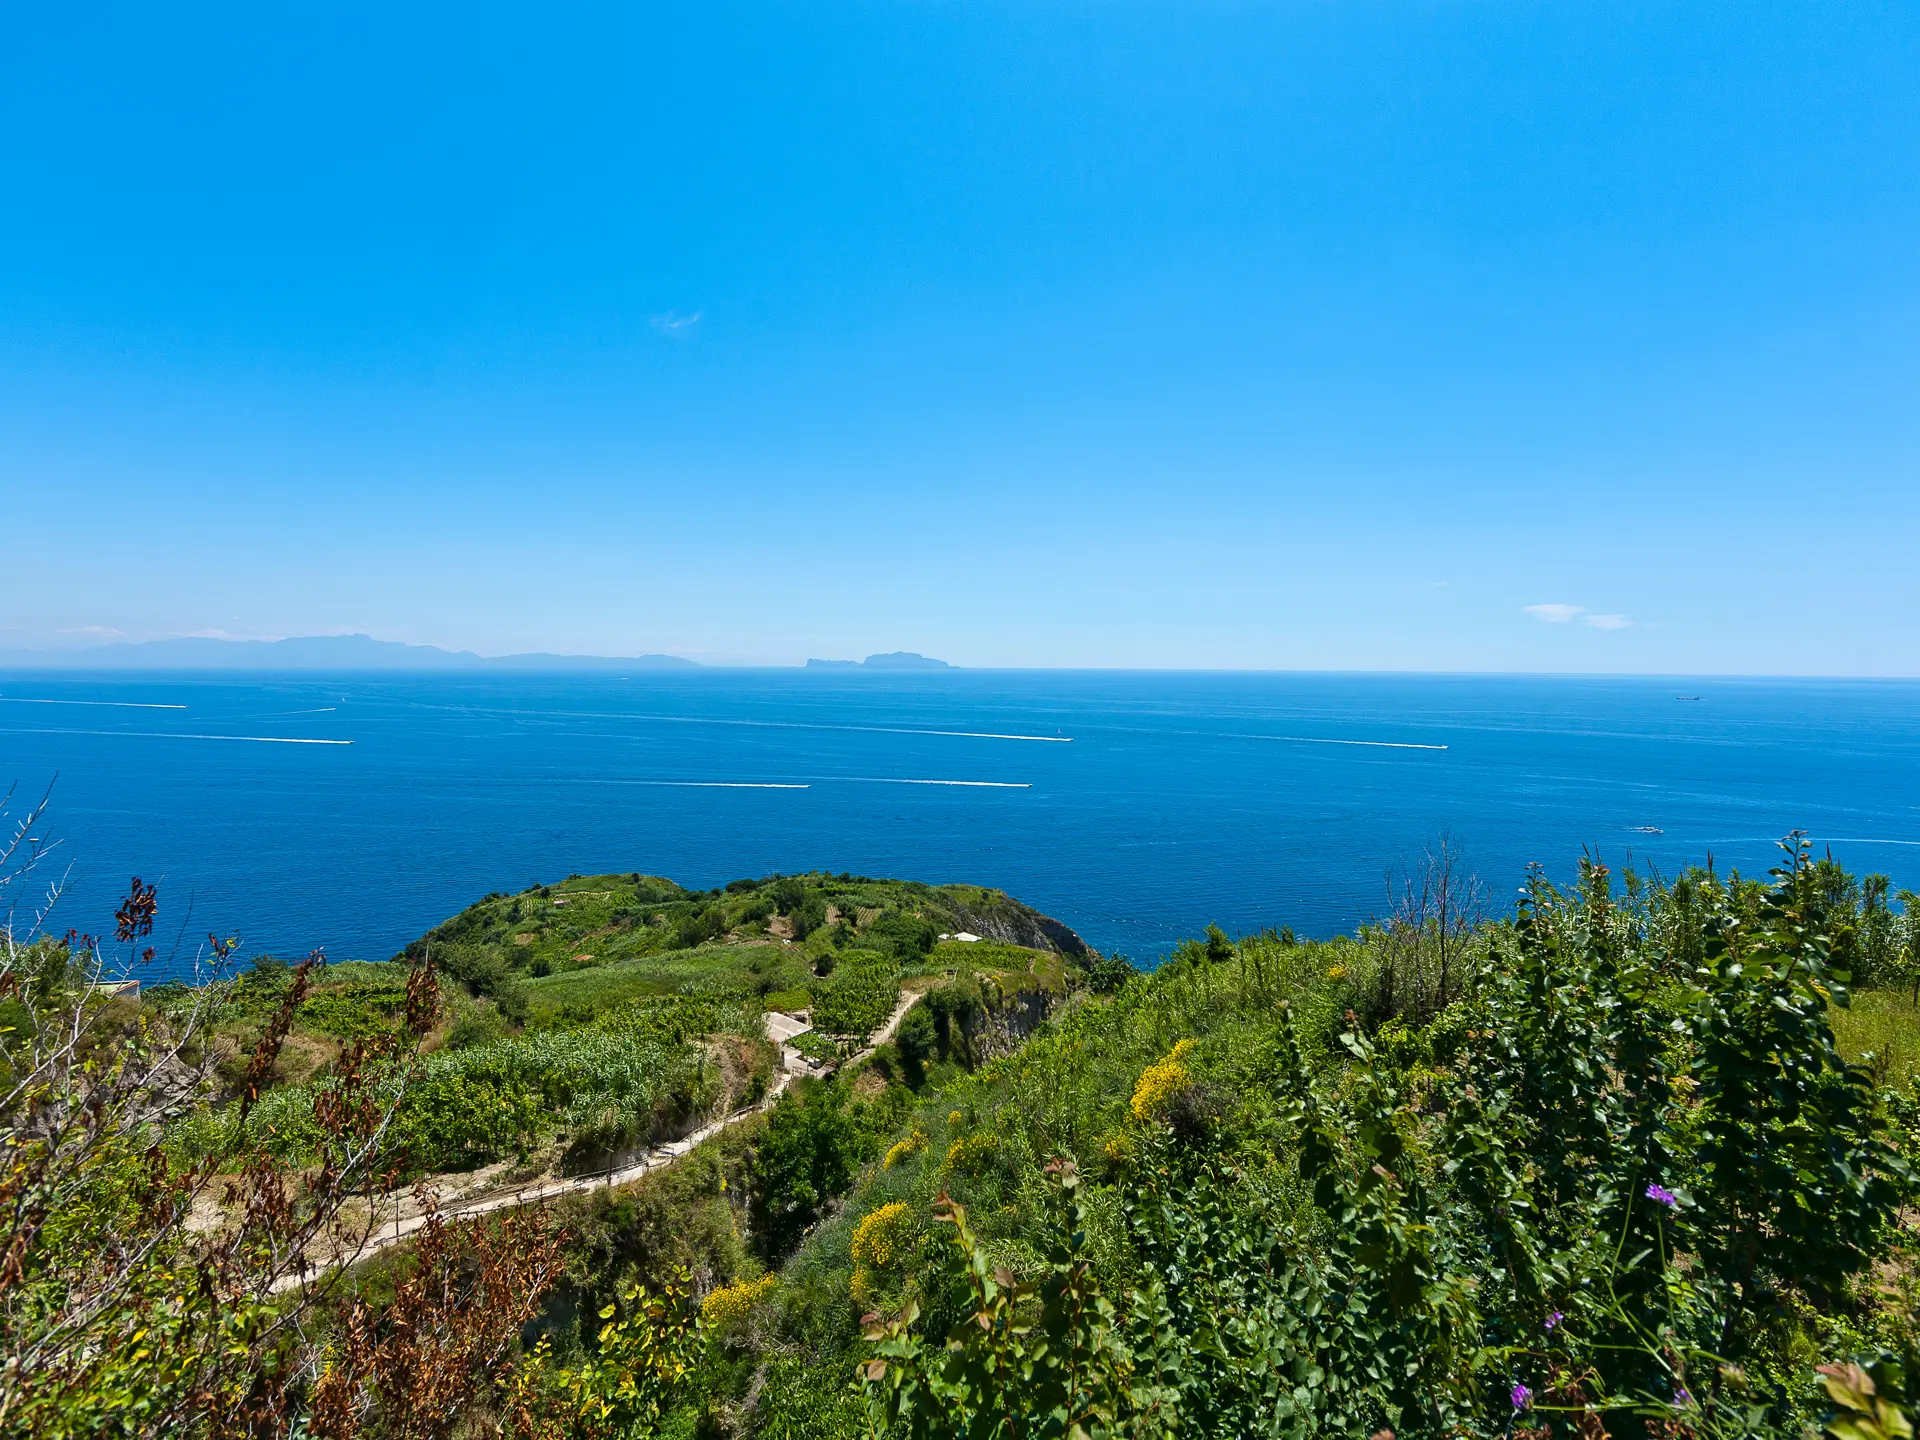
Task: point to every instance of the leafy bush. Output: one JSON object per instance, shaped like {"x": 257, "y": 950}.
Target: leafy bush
{"x": 917, "y": 1042}
{"x": 906, "y": 937}
{"x": 1107, "y": 974}
{"x": 477, "y": 1023}
{"x": 818, "y": 1136}
{"x": 807, "y": 1156}
{"x": 355, "y": 1012}
{"x": 699, "y": 927}
{"x": 1042, "y": 1357}
{"x": 808, "y": 916}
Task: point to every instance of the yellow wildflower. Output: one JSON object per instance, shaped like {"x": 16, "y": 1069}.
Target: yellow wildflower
{"x": 971, "y": 1154}
{"x": 726, "y": 1309}
{"x": 883, "y": 1236}
{"x": 912, "y": 1145}
{"x": 1161, "y": 1081}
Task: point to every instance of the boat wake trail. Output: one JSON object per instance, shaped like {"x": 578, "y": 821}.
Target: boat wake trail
{"x": 977, "y": 784}
{"x": 183, "y": 735}
{"x": 110, "y": 704}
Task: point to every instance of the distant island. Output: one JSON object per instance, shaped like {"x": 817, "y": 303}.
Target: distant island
{"x": 313, "y": 652}
{"x": 363, "y": 652}
{"x": 893, "y": 660}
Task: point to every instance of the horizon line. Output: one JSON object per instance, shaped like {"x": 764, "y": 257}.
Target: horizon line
{"x": 9, "y": 667}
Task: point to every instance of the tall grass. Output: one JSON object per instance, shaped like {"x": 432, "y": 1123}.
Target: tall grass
{"x": 1880, "y": 1029}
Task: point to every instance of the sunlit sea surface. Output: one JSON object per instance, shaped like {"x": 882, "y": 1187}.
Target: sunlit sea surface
{"x": 1136, "y": 807}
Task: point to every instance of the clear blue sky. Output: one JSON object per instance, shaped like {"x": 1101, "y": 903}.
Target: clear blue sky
{"x": 1328, "y": 334}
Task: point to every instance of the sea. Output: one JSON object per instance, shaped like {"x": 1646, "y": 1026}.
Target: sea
{"x": 351, "y": 812}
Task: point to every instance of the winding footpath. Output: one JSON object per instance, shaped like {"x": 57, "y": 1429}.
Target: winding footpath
{"x": 793, "y": 1065}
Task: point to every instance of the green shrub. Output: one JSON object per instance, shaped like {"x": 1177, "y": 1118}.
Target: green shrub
{"x": 808, "y": 916}
{"x": 907, "y": 937}
{"x": 478, "y": 1023}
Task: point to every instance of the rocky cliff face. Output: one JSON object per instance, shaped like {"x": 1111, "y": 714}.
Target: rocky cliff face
{"x": 1012, "y": 923}
{"x": 1005, "y": 1020}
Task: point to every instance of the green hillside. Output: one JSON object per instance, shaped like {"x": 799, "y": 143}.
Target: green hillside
{"x": 1603, "y": 1167}
{"x": 589, "y": 1019}
{"x": 1634, "y": 1159}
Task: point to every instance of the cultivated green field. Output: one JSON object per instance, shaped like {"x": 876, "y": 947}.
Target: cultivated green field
{"x": 582, "y": 1019}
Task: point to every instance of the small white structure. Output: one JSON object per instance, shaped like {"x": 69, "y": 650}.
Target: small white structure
{"x": 963, "y": 937}
{"x": 782, "y": 1027}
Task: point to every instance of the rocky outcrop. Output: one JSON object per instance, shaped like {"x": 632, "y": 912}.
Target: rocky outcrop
{"x": 1011, "y": 923}
{"x": 1004, "y": 1021}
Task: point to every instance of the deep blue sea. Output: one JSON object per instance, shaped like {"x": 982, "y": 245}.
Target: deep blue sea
{"x": 1136, "y": 807}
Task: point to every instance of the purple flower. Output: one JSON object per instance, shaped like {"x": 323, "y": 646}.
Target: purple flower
{"x": 1522, "y": 1398}
{"x": 1681, "y": 1397}
{"x": 1663, "y": 1195}
{"x": 1554, "y": 1319}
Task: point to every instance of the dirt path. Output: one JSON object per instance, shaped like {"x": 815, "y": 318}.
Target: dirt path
{"x": 793, "y": 1066}
{"x": 908, "y": 999}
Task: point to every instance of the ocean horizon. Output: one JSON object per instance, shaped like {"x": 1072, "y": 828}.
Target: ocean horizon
{"x": 352, "y": 811}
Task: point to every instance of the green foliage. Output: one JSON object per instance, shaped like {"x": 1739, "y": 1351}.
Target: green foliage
{"x": 487, "y": 974}
{"x": 645, "y": 1353}
{"x": 622, "y": 1080}
{"x": 808, "y": 916}
{"x": 1333, "y": 1229}
{"x": 818, "y": 1135}
{"x": 452, "y": 1120}
{"x": 1042, "y": 1357}
{"x": 918, "y": 1043}
{"x": 355, "y": 1011}
{"x": 697, "y": 928}
{"x": 1795, "y": 1167}
{"x": 806, "y": 1157}
{"x": 805, "y": 1400}
{"x": 907, "y": 937}
{"x": 859, "y": 996}
{"x": 476, "y": 1024}
{"x": 788, "y": 893}
{"x": 1108, "y": 974}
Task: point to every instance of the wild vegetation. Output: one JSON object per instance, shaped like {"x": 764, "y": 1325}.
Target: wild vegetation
{"x": 1634, "y": 1158}
{"x": 586, "y": 1020}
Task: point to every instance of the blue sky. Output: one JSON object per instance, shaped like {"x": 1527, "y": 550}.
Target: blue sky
{"x": 1542, "y": 336}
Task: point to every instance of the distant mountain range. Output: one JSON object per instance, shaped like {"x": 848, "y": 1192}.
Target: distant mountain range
{"x": 893, "y": 660}
{"x": 314, "y": 652}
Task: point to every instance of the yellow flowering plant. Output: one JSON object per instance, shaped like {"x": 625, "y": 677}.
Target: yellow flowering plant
{"x": 880, "y": 1241}
{"x": 724, "y": 1312}
{"x": 1161, "y": 1082}
{"x": 971, "y": 1154}
{"x": 913, "y": 1144}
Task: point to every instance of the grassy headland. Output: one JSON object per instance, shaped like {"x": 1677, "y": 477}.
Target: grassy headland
{"x": 593, "y": 1018}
